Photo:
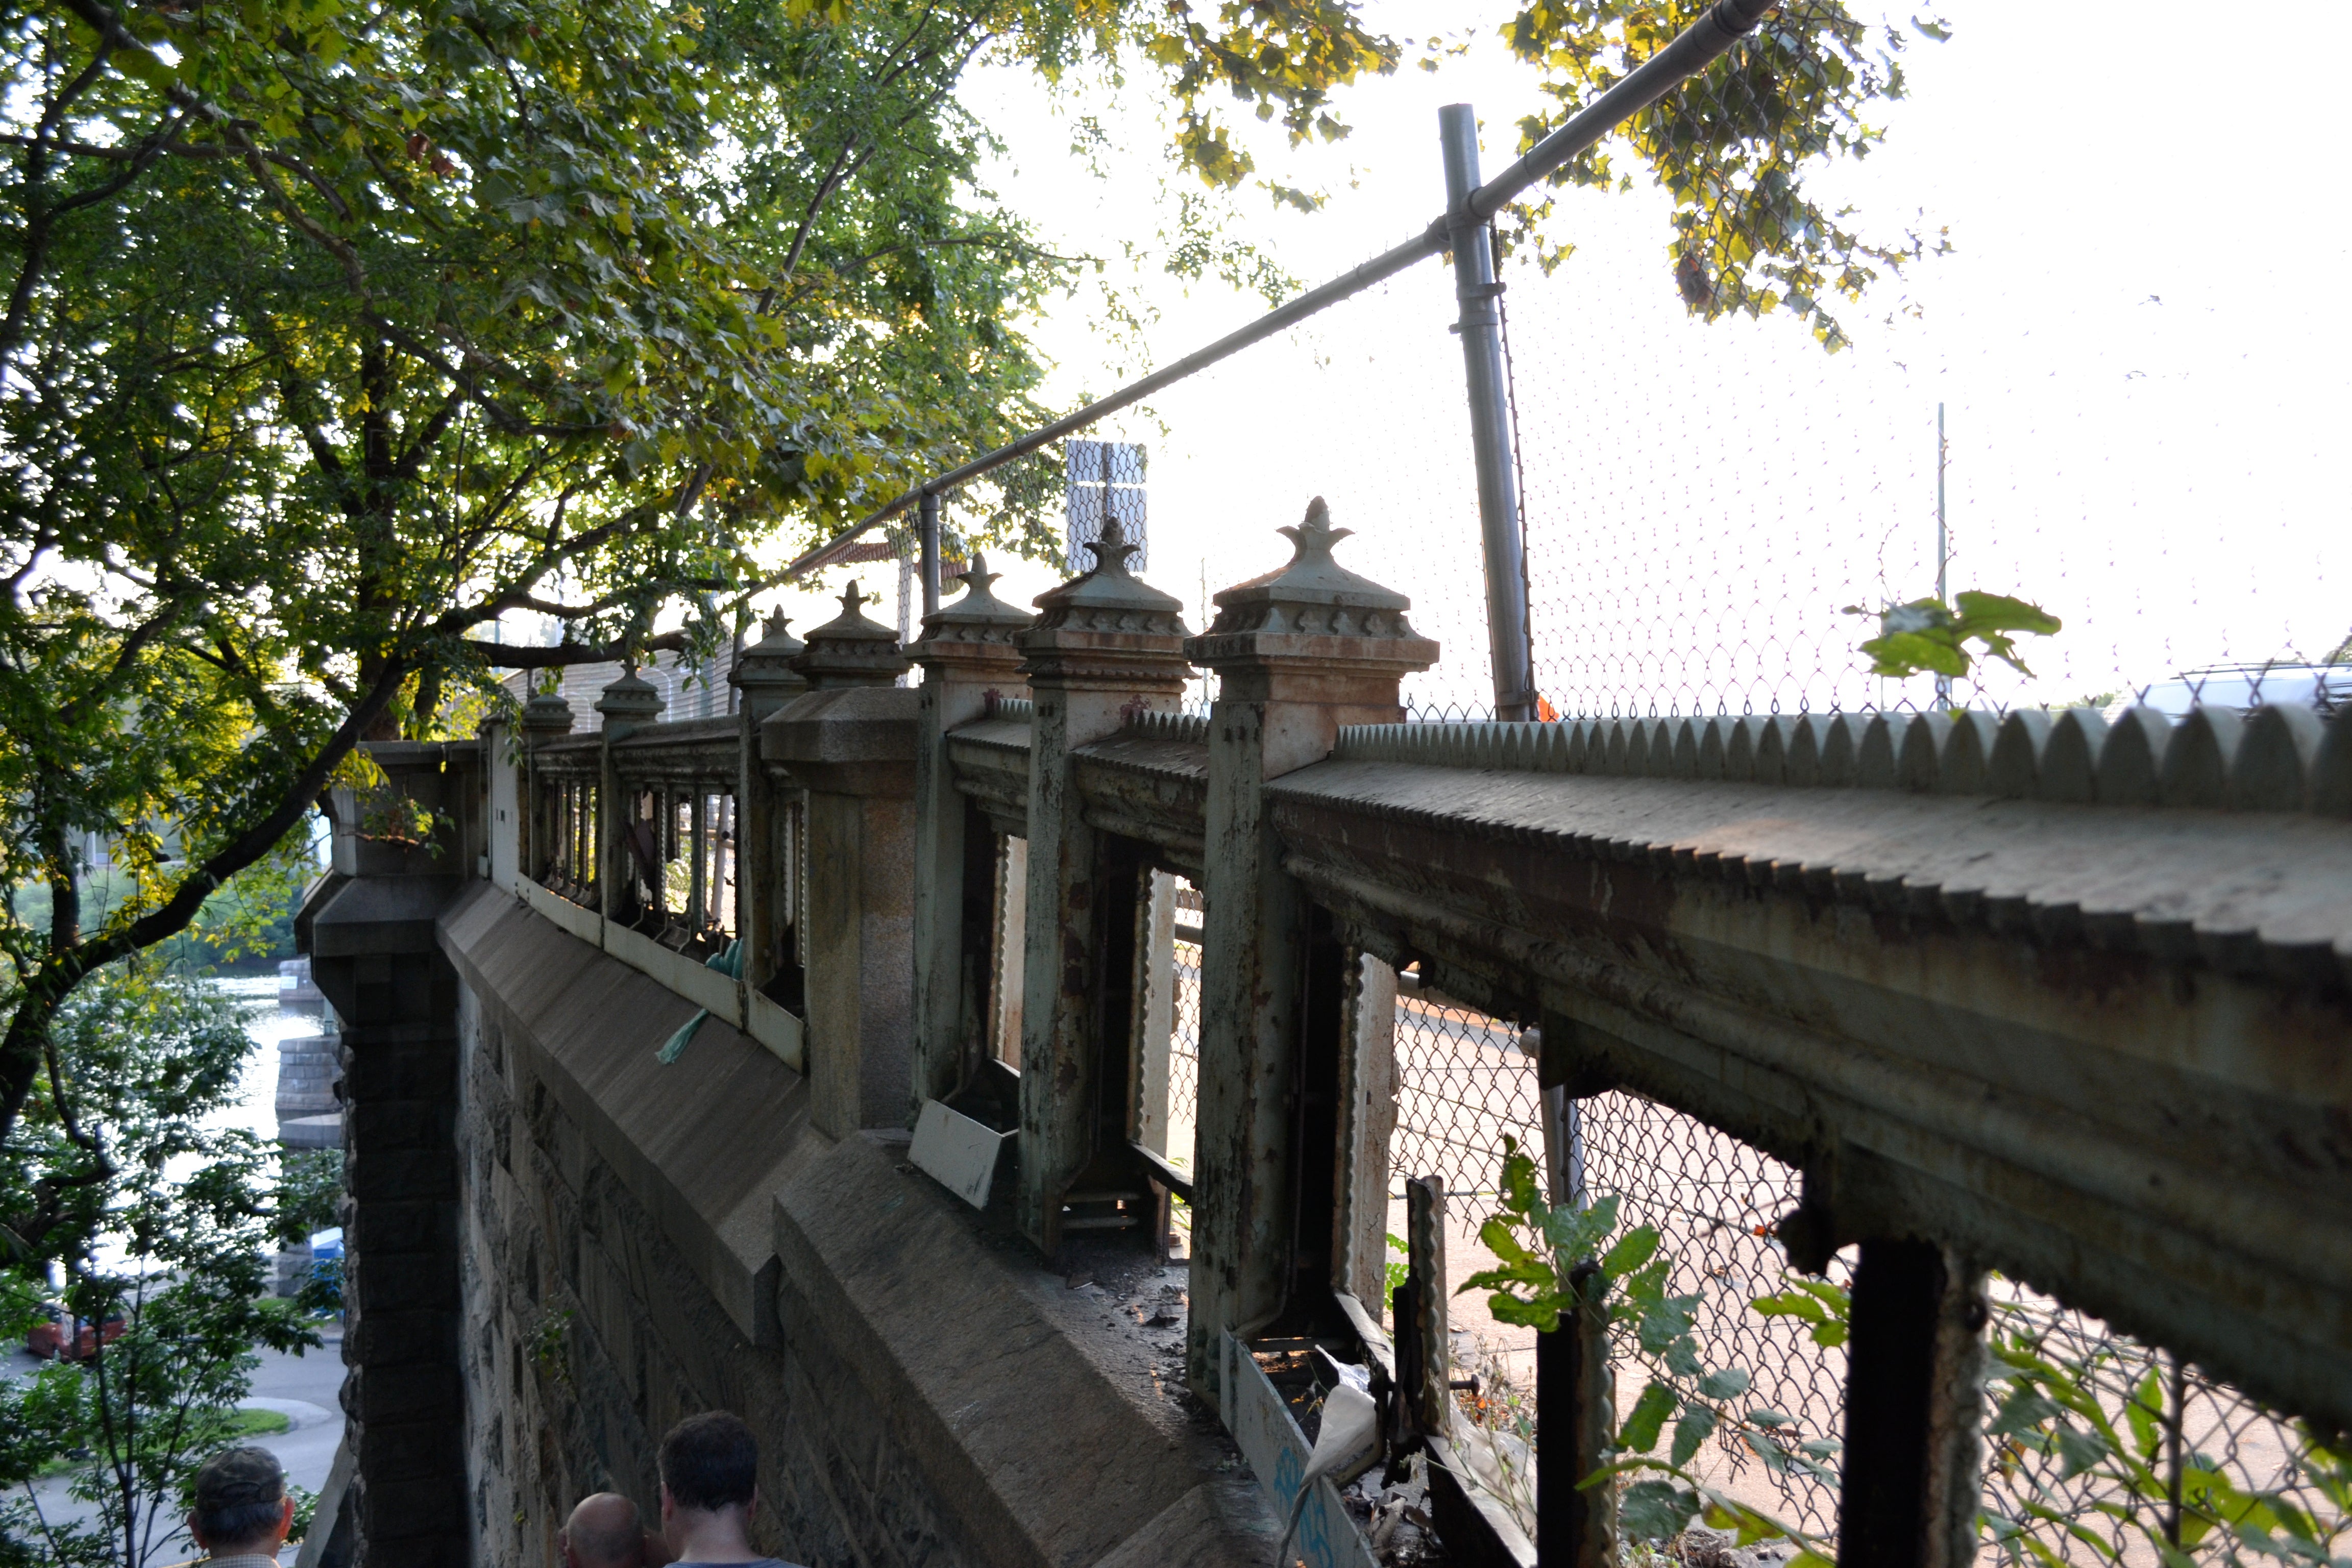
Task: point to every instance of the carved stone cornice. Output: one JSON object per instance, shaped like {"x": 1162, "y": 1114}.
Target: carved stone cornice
{"x": 763, "y": 672}
{"x": 629, "y": 703}
{"x": 546, "y": 717}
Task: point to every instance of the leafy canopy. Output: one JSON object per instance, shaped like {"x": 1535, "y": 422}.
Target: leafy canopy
{"x": 1733, "y": 147}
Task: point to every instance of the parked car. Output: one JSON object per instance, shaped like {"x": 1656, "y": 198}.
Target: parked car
{"x": 2323, "y": 687}
{"x": 57, "y": 1337}
{"x": 327, "y": 1268}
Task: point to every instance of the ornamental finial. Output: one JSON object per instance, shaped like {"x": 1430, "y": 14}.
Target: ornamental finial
{"x": 975, "y": 576}
{"x": 1312, "y": 538}
{"x": 1112, "y": 549}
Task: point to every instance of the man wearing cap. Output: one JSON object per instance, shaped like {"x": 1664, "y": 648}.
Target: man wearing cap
{"x": 242, "y": 1511}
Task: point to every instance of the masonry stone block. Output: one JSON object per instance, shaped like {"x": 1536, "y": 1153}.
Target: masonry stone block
{"x": 968, "y": 657}
{"x": 401, "y": 1337}
{"x": 387, "y": 1125}
{"x": 403, "y": 1281}
{"x": 1106, "y": 648}
{"x": 391, "y": 1225}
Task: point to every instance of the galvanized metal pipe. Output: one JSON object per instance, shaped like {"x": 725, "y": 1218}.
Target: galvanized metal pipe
{"x": 1378, "y": 269}
{"x": 1476, "y": 288}
{"x": 929, "y": 529}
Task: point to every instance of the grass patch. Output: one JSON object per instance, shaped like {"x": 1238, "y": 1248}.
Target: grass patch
{"x": 257, "y": 1423}
{"x": 241, "y": 1425}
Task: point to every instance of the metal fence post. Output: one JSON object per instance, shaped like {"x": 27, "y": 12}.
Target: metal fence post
{"x": 1913, "y": 1475}
{"x": 928, "y": 529}
{"x": 1490, "y": 420}
{"x": 1155, "y": 1011}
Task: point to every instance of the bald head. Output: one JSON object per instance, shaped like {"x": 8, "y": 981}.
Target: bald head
{"x": 603, "y": 1532}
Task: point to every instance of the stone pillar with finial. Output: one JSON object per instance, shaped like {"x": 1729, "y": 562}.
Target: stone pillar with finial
{"x": 546, "y": 718}
{"x": 849, "y": 743}
{"x": 628, "y": 704}
{"x": 968, "y": 653}
{"x": 1106, "y": 646}
{"x": 1297, "y": 652}
{"x": 764, "y": 680}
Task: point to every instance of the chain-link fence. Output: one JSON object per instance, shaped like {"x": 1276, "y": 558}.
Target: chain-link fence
{"x": 1465, "y": 1082}
{"x": 2099, "y": 1448}
{"x": 1184, "y": 1032}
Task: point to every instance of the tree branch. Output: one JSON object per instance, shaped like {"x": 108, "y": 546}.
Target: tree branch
{"x": 28, "y": 1027}
{"x": 515, "y": 655}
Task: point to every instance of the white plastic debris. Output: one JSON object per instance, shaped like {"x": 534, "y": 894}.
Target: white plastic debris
{"x": 1345, "y": 1447}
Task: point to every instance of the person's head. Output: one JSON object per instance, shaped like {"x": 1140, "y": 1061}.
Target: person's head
{"x": 242, "y": 1507}
{"x": 710, "y": 1464}
{"x": 603, "y": 1532}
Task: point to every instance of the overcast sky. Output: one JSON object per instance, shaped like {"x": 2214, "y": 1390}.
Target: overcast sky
{"x": 2142, "y": 364}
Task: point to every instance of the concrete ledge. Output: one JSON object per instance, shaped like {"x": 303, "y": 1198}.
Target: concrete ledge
{"x": 1038, "y": 1427}
{"x": 701, "y": 1143}
{"x": 696, "y": 982}
{"x": 371, "y": 915}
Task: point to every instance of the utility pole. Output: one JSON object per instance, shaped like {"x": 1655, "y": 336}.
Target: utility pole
{"x": 1490, "y": 420}
{"x": 1943, "y": 550}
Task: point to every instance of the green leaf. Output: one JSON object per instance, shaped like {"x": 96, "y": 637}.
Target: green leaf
{"x": 1695, "y": 1426}
{"x": 1643, "y": 1423}
{"x": 2142, "y": 1413}
{"x": 1633, "y": 1249}
{"x": 1999, "y": 612}
{"x": 1655, "y": 1510}
{"x": 2025, "y": 1409}
{"x": 2078, "y": 1451}
{"x": 1499, "y": 1240}
{"x": 1791, "y": 1304}
{"x": 1541, "y": 1312}
{"x": 1664, "y": 1320}
{"x": 1728, "y": 1382}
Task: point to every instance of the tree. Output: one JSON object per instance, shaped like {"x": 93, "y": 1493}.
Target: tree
{"x": 164, "y": 1224}
{"x": 1732, "y": 147}
{"x": 333, "y": 331}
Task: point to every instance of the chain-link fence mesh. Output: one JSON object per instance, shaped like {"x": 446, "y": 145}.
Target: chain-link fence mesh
{"x": 1463, "y": 1085}
{"x": 2101, "y": 1448}
{"x": 1185, "y": 1031}
{"x": 1714, "y": 1201}
{"x": 1465, "y": 1082}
